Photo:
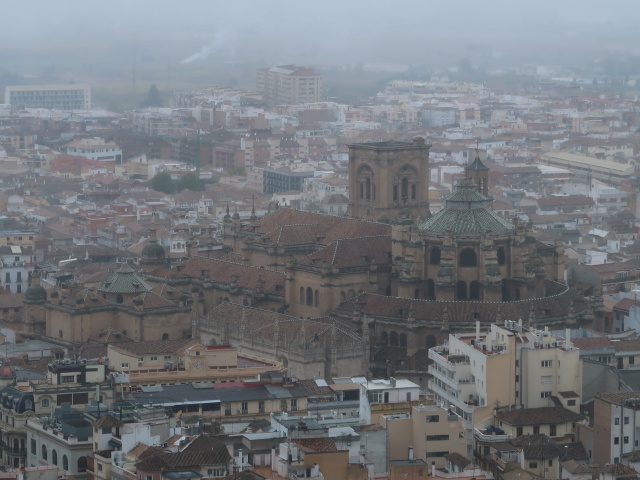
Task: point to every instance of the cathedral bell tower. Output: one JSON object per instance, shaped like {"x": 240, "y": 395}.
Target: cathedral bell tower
{"x": 479, "y": 173}
{"x": 389, "y": 180}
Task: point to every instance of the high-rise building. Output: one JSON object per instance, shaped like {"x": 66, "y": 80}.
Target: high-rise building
{"x": 289, "y": 85}
{"x": 56, "y": 97}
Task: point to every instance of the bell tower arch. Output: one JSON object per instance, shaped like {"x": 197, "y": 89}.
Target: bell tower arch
{"x": 388, "y": 180}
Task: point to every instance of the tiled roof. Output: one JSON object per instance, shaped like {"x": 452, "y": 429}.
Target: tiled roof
{"x": 153, "y": 346}
{"x": 107, "y": 421}
{"x": 538, "y": 416}
{"x": 456, "y": 459}
{"x": 588, "y": 343}
{"x": 109, "y": 335}
{"x": 353, "y": 252}
{"x": 246, "y": 276}
{"x": 573, "y": 451}
{"x": 627, "y": 345}
{"x": 124, "y": 280}
{"x": 376, "y": 306}
{"x": 293, "y": 227}
{"x": 200, "y": 452}
{"x": 537, "y": 447}
{"x": 316, "y": 444}
{"x": 625, "y": 304}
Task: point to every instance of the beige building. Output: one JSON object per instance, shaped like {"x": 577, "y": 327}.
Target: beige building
{"x": 430, "y": 431}
{"x": 289, "y": 85}
{"x": 510, "y": 365}
{"x": 169, "y": 362}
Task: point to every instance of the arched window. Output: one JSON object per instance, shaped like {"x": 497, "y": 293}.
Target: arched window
{"x": 368, "y": 188}
{"x": 430, "y": 341}
{"x": 474, "y": 290}
{"x": 403, "y": 340}
{"x": 461, "y": 290}
{"x": 65, "y": 462}
{"x": 302, "y": 295}
{"x": 165, "y": 336}
{"x": 434, "y": 256}
{"x": 501, "y": 256}
{"x": 431, "y": 289}
{"x": 468, "y": 258}
{"x": 343, "y": 297}
{"x": 82, "y": 464}
{"x": 505, "y": 290}
{"x": 16, "y": 444}
{"x": 516, "y": 294}
{"x": 54, "y": 457}
{"x": 393, "y": 339}
{"x": 352, "y": 293}
{"x": 119, "y": 299}
{"x": 316, "y": 298}
{"x": 384, "y": 338}
{"x": 309, "y": 296}
{"x": 44, "y": 452}
{"x": 416, "y": 293}
{"x": 60, "y": 334}
{"x": 405, "y": 189}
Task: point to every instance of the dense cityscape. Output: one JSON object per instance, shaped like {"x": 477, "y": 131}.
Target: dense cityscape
{"x": 279, "y": 278}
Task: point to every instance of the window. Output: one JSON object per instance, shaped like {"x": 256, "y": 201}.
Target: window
{"x": 99, "y": 467}
{"x": 227, "y": 409}
{"x": 552, "y": 430}
{"x": 43, "y": 452}
{"x": 519, "y": 432}
{"x": 294, "y": 404}
{"x": 545, "y": 394}
{"x": 632, "y": 359}
{"x": 436, "y": 438}
{"x": 533, "y": 464}
{"x": 546, "y": 363}
{"x": 433, "y": 418}
{"x": 546, "y": 379}
{"x": 468, "y": 258}
{"x": 571, "y": 403}
{"x": 244, "y": 407}
{"x": 536, "y": 429}
{"x": 434, "y": 257}
{"x": 616, "y": 440}
{"x": 124, "y": 365}
{"x": 437, "y": 454}
{"x": 167, "y": 357}
{"x": 625, "y": 440}
{"x": 54, "y": 457}
{"x": 33, "y": 446}
{"x": 626, "y": 420}
{"x": 153, "y": 359}
{"x": 44, "y": 402}
{"x": 67, "y": 379}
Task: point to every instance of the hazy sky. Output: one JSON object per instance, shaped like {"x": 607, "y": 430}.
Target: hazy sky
{"x": 100, "y": 34}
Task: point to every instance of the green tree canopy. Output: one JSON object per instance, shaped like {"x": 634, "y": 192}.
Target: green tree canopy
{"x": 162, "y": 182}
{"x": 190, "y": 181}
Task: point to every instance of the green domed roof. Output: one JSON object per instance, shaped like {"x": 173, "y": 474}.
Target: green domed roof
{"x": 466, "y": 211}
{"x": 35, "y": 294}
{"x": 153, "y": 252}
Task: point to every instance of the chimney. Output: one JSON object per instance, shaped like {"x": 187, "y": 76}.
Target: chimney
{"x": 477, "y": 331}
{"x": 433, "y": 469}
{"x": 567, "y": 338}
{"x": 410, "y": 453}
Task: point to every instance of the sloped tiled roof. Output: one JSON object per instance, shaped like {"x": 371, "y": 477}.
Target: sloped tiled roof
{"x": 538, "y": 416}
{"x": 202, "y": 451}
{"x": 316, "y": 444}
{"x": 107, "y": 421}
{"x": 352, "y": 252}
{"x": 125, "y": 280}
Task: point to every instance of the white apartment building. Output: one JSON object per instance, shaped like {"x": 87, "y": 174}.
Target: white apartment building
{"x": 55, "y": 97}
{"x": 94, "y": 149}
{"x": 511, "y": 365}
{"x": 289, "y": 85}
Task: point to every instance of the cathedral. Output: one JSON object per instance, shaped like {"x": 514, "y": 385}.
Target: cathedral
{"x": 374, "y": 290}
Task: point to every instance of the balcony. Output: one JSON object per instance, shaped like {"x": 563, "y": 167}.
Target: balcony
{"x": 491, "y": 435}
{"x": 442, "y": 356}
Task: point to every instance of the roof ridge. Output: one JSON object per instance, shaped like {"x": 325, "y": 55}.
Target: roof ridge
{"x": 262, "y": 269}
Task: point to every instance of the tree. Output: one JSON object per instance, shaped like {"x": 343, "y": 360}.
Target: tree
{"x": 162, "y": 182}
{"x": 154, "y": 99}
{"x": 190, "y": 181}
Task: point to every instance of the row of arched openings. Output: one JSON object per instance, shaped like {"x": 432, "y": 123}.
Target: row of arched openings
{"x": 81, "y": 463}
{"x": 309, "y": 296}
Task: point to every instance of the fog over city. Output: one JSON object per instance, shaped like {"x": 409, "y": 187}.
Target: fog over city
{"x": 187, "y": 42}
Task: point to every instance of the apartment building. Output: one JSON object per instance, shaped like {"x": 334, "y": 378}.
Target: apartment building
{"x": 510, "y": 365}
{"x": 94, "y": 149}
{"x": 289, "y": 85}
{"x": 55, "y": 97}
{"x": 432, "y": 433}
